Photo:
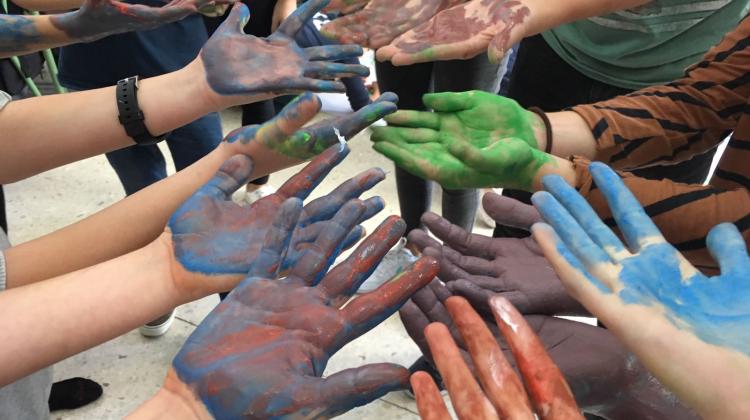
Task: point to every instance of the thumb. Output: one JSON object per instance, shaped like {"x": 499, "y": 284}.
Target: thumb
{"x": 510, "y": 212}
{"x": 356, "y": 387}
{"x": 295, "y": 115}
{"x": 236, "y": 20}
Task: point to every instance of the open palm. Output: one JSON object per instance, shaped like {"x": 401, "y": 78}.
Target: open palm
{"x": 692, "y": 331}
{"x": 261, "y": 353}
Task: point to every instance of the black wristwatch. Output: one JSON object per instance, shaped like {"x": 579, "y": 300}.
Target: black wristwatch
{"x": 131, "y": 116}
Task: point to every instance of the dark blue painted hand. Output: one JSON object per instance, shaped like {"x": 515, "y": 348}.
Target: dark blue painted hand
{"x": 238, "y": 64}
{"x": 688, "y": 329}
{"x": 213, "y": 236}
{"x": 261, "y": 353}
{"x": 99, "y": 18}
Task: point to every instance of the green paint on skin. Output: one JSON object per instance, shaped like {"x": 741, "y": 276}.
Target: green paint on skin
{"x": 474, "y": 139}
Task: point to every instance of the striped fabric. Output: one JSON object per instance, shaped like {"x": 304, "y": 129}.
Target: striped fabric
{"x": 672, "y": 123}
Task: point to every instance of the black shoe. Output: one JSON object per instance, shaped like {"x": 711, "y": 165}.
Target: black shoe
{"x": 73, "y": 393}
{"x": 422, "y": 364}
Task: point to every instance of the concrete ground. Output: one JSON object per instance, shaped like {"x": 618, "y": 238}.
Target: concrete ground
{"x": 131, "y": 367}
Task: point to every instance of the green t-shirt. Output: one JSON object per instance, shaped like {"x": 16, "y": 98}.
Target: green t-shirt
{"x": 648, "y": 45}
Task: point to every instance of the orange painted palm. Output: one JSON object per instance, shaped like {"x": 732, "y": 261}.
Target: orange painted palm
{"x": 501, "y": 394}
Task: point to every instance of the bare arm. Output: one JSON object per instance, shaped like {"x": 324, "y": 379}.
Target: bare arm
{"x": 49, "y": 5}
{"x": 94, "y": 20}
{"x": 84, "y": 124}
{"x": 47, "y": 315}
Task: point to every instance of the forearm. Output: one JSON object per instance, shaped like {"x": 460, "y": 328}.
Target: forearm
{"x": 41, "y": 323}
{"x": 84, "y": 124}
{"x": 129, "y": 224}
{"x": 21, "y": 34}
{"x": 544, "y": 15}
{"x": 48, "y": 5}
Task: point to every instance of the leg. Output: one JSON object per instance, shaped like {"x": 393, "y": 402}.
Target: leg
{"x": 460, "y": 206}
{"x": 192, "y": 142}
{"x": 138, "y": 166}
{"x": 409, "y": 83}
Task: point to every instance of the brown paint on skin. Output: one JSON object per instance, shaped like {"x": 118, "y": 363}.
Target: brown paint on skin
{"x": 499, "y": 380}
{"x": 383, "y": 20}
{"x": 463, "y": 31}
{"x": 430, "y": 403}
{"x": 548, "y": 389}
{"x": 469, "y": 401}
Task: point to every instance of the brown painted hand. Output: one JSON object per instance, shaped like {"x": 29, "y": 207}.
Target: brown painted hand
{"x": 383, "y": 20}
{"x": 477, "y": 267}
{"x": 461, "y": 32}
{"x": 345, "y": 6}
{"x": 604, "y": 377}
{"x": 501, "y": 395}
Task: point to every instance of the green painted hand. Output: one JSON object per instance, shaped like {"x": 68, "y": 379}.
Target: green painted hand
{"x": 475, "y": 139}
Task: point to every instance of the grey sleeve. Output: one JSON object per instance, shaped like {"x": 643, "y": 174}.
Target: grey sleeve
{"x": 4, "y": 99}
{"x": 2, "y": 271}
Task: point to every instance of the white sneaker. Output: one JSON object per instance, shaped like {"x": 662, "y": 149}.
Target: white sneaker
{"x": 157, "y": 327}
{"x": 394, "y": 262}
{"x": 252, "y": 196}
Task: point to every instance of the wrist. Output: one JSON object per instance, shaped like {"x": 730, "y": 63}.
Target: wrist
{"x": 554, "y": 165}
{"x": 195, "y": 72}
{"x": 174, "y": 400}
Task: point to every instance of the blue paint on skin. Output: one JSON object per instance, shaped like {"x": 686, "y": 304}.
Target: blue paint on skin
{"x": 18, "y": 34}
{"x": 715, "y": 309}
{"x": 241, "y": 64}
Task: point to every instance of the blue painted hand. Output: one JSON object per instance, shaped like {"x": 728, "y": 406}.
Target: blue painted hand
{"x": 211, "y": 236}
{"x": 261, "y": 353}
{"x": 241, "y": 65}
{"x": 692, "y": 331}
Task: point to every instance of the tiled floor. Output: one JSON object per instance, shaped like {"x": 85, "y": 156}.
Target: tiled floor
{"x": 132, "y": 367}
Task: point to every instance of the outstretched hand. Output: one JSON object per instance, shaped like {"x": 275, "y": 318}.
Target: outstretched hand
{"x": 240, "y": 68}
{"x": 214, "y": 240}
{"x": 261, "y": 353}
{"x": 304, "y": 143}
{"x": 691, "y": 331}
{"x": 345, "y": 6}
{"x": 474, "y": 139}
{"x": 501, "y": 394}
{"x": 380, "y": 21}
{"x": 478, "y": 267}
{"x": 603, "y": 375}
{"x": 461, "y": 32}
{"x": 100, "y": 18}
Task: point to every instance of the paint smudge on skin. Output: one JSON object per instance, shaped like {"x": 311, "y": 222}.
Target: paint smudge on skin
{"x": 97, "y": 19}
{"x": 262, "y": 351}
{"x": 240, "y": 64}
{"x": 656, "y": 275}
{"x": 461, "y": 32}
{"x": 380, "y": 21}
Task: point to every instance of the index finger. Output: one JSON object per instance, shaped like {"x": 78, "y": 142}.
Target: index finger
{"x": 549, "y": 392}
{"x": 498, "y": 378}
{"x": 302, "y": 183}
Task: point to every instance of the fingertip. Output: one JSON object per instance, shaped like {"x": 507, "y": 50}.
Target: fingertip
{"x": 388, "y": 97}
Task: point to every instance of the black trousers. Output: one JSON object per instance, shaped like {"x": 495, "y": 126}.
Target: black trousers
{"x": 410, "y": 83}
{"x": 541, "y": 78}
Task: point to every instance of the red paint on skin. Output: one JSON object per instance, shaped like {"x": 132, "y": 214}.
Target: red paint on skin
{"x": 429, "y": 401}
{"x": 498, "y": 378}
{"x": 548, "y": 389}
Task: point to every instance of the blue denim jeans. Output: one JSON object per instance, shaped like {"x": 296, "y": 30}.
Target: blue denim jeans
{"x": 140, "y": 166}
